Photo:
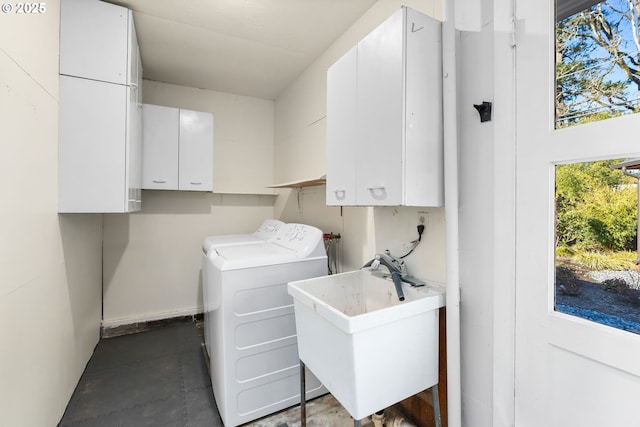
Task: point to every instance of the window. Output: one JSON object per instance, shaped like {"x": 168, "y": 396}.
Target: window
{"x": 596, "y": 229}
{"x": 597, "y": 60}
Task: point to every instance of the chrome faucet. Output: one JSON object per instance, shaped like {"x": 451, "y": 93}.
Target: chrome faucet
{"x": 394, "y": 268}
{"x": 397, "y": 269}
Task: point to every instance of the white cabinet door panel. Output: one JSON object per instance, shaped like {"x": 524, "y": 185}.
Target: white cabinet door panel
{"x": 195, "y": 171}
{"x": 341, "y": 130}
{"x": 135, "y": 116}
{"x": 160, "y": 147}
{"x": 94, "y": 39}
{"x": 133, "y": 151}
{"x": 380, "y": 114}
{"x": 423, "y": 155}
{"x": 134, "y": 68}
{"x": 92, "y": 146}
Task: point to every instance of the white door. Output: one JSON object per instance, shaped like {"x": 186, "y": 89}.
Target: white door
{"x": 568, "y": 371}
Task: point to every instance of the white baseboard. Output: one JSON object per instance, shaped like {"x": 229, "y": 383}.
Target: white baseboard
{"x": 149, "y": 317}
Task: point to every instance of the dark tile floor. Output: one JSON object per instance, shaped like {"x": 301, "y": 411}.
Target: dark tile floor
{"x": 153, "y": 378}
{"x": 159, "y": 378}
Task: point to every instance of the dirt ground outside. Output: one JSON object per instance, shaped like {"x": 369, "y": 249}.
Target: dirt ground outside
{"x": 594, "y": 296}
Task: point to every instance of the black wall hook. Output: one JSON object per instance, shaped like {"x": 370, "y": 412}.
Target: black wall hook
{"x": 485, "y": 111}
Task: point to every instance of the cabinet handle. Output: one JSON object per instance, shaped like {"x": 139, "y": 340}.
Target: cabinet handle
{"x": 159, "y": 181}
{"x": 134, "y": 85}
{"x": 196, "y": 183}
{"x": 340, "y": 193}
{"x": 378, "y": 193}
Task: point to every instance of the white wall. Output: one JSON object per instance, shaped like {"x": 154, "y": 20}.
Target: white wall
{"x": 487, "y": 215}
{"x": 50, "y": 264}
{"x": 152, "y": 257}
{"x": 503, "y": 185}
{"x": 476, "y": 226}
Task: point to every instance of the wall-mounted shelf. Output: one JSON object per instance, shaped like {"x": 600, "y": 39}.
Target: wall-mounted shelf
{"x": 246, "y": 193}
{"x": 302, "y": 184}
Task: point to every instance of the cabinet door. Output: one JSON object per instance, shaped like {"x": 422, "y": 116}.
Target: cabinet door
{"x": 135, "y": 117}
{"x": 195, "y": 168}
{"x": 92, "y": 147}
{"x": 342, "y": 150}
{"x": 93, "y": 40}
{"x": 134, "y": 71}
{"x": 160, "y": 147}
{"x": 423, "y": 162}
{"x": 380, "y": 114}
{"x": 133, "y": 152}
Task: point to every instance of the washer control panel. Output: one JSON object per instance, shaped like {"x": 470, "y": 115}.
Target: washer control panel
{"x": 269, "y": 228}
{"x": 301, "y": 238}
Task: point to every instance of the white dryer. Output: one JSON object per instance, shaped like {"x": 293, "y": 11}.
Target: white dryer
{"x": 254, "y": 361}
{"x": 267, "y": 231}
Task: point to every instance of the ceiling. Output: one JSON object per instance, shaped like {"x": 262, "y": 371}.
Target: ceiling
{"x": 246, "y": 47}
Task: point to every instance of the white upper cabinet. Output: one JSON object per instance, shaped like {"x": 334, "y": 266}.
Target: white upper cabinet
{"x": 177, "y": 149}
{"x": 97, "y": 41}
{"x": 100, "y": 129}
{"x": 384, "y": 117}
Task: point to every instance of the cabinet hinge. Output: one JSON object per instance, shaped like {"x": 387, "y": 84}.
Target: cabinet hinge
{"x": 513, "y": 34}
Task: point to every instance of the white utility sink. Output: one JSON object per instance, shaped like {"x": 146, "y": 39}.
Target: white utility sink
{"x": 368, "y": 348}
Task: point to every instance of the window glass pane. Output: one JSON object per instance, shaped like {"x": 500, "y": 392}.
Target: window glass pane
{"x": 596, "y": 229}
{"x": 597, "y": 61}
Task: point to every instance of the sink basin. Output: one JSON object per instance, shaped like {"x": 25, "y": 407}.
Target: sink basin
{"x": 369, "y": 349}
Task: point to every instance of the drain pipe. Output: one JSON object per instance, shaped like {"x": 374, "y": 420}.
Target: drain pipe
{"x": 450, "y": 128}
{"x": 399, "y": 422}
{"x": 380, "y": 419}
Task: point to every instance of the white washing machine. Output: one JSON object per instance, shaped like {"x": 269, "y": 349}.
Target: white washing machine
{"x": 267, "y": 231}
{"x": 254, "y": 353}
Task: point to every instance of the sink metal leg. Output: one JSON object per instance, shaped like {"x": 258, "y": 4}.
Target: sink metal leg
{"x": 303, "y": 396}
{"x": 356, "y": 423}
{"x": 436, "y": 405}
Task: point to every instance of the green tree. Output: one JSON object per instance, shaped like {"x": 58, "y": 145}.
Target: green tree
{"x": 597, "y": 62}
{"x": 596, "y": 207}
